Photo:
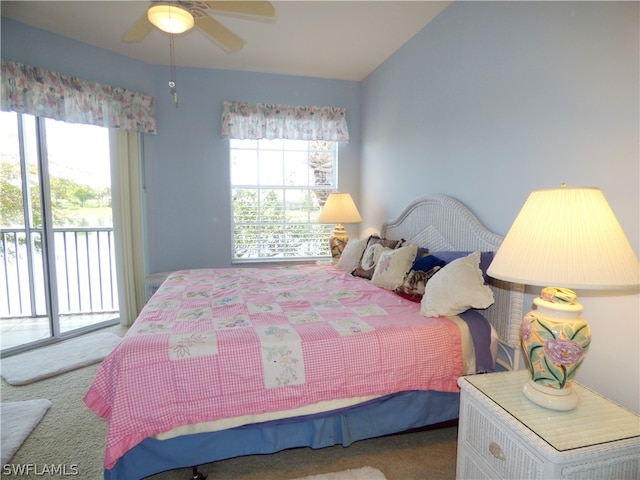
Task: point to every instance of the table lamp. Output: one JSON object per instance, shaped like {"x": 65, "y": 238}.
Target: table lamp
{"x": 339, "y": 208}
{"x": 563, "y": 238}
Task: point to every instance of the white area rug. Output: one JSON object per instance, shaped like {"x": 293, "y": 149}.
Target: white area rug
{"x": 55, "y": 359}
{"x": 364, "y": 473}
{"x": 17, "y": 421}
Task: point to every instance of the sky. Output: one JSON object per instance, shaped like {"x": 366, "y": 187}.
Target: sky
{"x": 78, "y": 152}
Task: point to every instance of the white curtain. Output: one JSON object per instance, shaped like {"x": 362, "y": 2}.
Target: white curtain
{"x": 126, "y": 191}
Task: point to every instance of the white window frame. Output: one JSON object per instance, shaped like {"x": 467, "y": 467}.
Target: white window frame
{"x": 273, "y": 170}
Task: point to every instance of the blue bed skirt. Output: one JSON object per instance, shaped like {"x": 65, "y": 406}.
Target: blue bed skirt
{"x": 383, "y": 416}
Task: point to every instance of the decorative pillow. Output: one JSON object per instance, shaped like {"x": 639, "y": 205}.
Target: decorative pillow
{"x": 485, "y": 259}
{"x": 414, "y": 283}
{"x": 392, "y": 267}
{"x": 423, "y": 268}
{"x": 427, "y": 261}
{"x": 352, "y": 253}
{"x": 371, "y": 254}
{"x": 455, "y": 288}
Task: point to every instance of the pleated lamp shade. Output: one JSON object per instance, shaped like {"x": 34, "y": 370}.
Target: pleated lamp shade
{"x": 339, "y": 208}
{"x": 567, "y": 237}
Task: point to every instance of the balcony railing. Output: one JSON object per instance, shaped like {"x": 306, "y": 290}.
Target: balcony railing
{"x": 84, "y": 270}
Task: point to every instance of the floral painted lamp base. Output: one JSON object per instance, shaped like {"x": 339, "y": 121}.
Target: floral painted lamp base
{"x": 555, "y": 340}
{"x": 337, "y": 242}
{"x": 560, "y": 400}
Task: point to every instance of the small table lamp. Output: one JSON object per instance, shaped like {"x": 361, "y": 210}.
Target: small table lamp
{"x": 563, "y": 238}
{"x": 339, "y": 208}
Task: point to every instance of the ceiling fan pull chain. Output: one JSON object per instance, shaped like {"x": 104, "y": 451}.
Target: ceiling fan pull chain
{"x": 174, "y": 92}
{"x": 172, "y": 81}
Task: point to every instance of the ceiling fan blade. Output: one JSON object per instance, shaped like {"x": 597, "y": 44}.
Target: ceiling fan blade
{"x": 139, "y": 30}
{"x": 254, "y": 9}
{"x": 220, "y": 34}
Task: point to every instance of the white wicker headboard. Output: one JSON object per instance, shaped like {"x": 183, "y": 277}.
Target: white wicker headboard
{"x": 441, "y": 223}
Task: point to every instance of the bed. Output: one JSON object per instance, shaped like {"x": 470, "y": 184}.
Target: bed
{"x": 229, "y": 362}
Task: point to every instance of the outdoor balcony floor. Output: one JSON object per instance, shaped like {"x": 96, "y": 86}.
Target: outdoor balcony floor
{"x": 17, "y": 331}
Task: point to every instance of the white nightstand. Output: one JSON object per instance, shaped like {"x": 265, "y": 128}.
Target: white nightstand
{"x": 501, "y": 434}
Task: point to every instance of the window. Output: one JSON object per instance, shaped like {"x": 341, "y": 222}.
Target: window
{"x": 278, "y": 188}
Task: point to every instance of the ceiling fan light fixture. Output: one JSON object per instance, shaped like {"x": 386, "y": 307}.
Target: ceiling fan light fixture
{"x": 170, "y": 18}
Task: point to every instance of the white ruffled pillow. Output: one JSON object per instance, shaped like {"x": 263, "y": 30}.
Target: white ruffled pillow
{"x": 455, "y": 288}
{"x": 392, "y": 266}
{"x": 350, "y": 258}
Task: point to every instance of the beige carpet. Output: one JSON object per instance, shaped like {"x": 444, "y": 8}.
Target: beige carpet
{"x": 70, "y": 434}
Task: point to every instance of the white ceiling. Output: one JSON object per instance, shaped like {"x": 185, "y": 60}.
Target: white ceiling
{"x": 327, "y": 39}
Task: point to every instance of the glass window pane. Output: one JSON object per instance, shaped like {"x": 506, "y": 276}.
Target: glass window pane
{"x": 11, "y": 203}
{"x": 245, "y": 205}
{"x": 276, "y": 198}
{"x": 79, "y": 174}
{"x": 244, "y": 167}
{"x": 271, "y": 168}
{"x": 271, "y": 206}
{"x": 322, "y": 166}
{"x": 297, "y": 169}
{"x": 30, "y": 139}
{"x": 299, "y": 204}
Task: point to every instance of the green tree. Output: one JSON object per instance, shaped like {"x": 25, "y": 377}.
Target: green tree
{"x": 11, "y": 212}
{"x": 63, "y": 194}
{"x": 83, "y": 193}
{"x": 258, "y": 224}
{"x": 61, "y": 191}
{"x": 104, "y": 196}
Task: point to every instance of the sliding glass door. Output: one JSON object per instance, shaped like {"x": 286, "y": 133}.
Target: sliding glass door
{"x": 57, "y": 246}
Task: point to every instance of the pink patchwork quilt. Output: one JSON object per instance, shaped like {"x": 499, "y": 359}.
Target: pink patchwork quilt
{"x": 223, "y": 343}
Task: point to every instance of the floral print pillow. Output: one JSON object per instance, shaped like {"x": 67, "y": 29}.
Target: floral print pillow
{"x": 392, "y": 267}
{"x": 371, "y": 255}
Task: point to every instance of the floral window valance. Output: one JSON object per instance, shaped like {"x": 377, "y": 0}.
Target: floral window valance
{"x": 36, "y": 91}
{"x": 242, "y": 120}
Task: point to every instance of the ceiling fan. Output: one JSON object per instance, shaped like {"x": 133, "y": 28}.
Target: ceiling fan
{"x": 201, "y": 12}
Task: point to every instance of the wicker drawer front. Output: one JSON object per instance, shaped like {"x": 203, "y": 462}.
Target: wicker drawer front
{"x": 490, "y": 441}
{"x": 469, "y": 468}
{"x": 606, "y": 466}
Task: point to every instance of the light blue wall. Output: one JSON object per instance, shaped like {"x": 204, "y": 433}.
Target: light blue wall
{"x": 186, "y": 165}
{"x": 494, "y": 99}
{"x": 54, "y": 52}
